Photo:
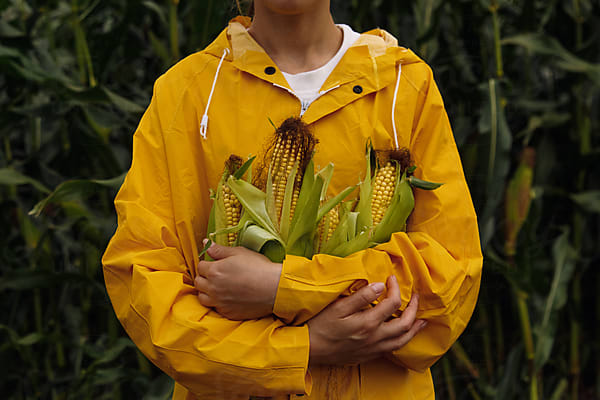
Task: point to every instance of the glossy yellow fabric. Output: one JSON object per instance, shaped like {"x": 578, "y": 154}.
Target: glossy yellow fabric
{"x": 164, "y": 203}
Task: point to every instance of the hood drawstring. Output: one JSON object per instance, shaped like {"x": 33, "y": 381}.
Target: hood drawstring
{"x": 204, "y": 122}
{"x": 394, "y": 104}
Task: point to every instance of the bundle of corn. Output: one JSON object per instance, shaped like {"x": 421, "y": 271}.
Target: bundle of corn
{"x": 287, "y": 212}
{"x": 281, "y": 210}
{"x": 385, "y": 202}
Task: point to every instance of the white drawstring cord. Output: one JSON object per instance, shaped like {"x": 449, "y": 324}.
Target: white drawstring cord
{"x": 394, "y": 105}
{"x": 204, "y": 122}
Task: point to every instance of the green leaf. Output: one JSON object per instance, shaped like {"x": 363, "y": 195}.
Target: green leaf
{"x": 329, "y": 204}
{"x": 242, "y": 170}
{"x": 326, "y": 173}
{"x": 564, "y": 256}
{"x": 357, "y": 243}
{"x": 9, "y": 176}
{"x": 300, "y": 241}
{"x": 253, "y": 201}
{"x": 255, "y": 238}
{"x": 270, "y": 200}
{"x": 122, "y": 102}
{"x": 546, "y": 45}
{"x": 9, "y": 52}
{"x": 365, "y": 219}
{"x": 589, "y": 201}
{"x": 421, "y": 184}
{"x": 286, "y": 209}
{"x": 76, "y": 189}
{"x": 30, "y": 339}
{"x": 498, "y": 138}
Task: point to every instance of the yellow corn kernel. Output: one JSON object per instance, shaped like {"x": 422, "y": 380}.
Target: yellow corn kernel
{"x": 383, "y": 190}
{"x": 327, "y": 226}
{"x": 233, "y": 210}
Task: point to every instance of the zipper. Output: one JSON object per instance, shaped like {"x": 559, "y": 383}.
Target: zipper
{"x": 304, "y": 107}
{"x": 304, "y": 104}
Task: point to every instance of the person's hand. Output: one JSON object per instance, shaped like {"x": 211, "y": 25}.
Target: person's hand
{"x": 240, "y": 284}
{"x": 345, "y": 333}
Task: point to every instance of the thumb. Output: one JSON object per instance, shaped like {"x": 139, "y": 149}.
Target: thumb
{"x": 217, "y": 252}
{"x": 357, "y": 301}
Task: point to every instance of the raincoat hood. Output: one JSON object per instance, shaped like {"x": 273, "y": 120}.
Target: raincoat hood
{"x": 374, "y": 53}
{"x": 218, "y": 102}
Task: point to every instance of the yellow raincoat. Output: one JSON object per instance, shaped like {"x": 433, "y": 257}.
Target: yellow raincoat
{"x": 218, "y": 102}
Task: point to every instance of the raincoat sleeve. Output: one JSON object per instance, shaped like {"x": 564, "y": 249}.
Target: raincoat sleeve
{"x": 152, "y": 292}
{"x": 439, "y": 256}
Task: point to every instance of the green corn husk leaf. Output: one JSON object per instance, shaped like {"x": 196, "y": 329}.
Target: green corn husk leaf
{"x": 394, "y": 220}
{"x": 363, "y": 207}
{"x": 359, "y": 242}
{"x": 255, "y": 238}
{"x": 284, "y": 224}
{"x": 245, "y": 167}
{"x": 322, "y": 240}
{"x": 304, "y": 221}
{"x": 270, "y": 199}
{"x": 204, "y": 251}
{"x": 253, "y": 201}
{"x": 217, "y": 221}
{"x": 421, "y": 184}
{"x": 326, "y": 173}
{"x": 308, "y": 181}
{"x": 220, "y": 217}
{"x": 211, "y": 227}
{"x": 345, "y": 231}
{"x": 331, "y": 203}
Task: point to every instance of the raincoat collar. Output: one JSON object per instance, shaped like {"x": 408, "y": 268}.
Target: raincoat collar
{"x": 368, "y": 66}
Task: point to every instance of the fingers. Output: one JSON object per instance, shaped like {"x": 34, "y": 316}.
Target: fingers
{"x": 205, "y": 300}
{"x": 354, "y": 303}
{"x": 395, "y": 343}
{"x": 388, "y": 306}
{"x": 217, "y": 252}
{"x": 201, "y": 284}
{"x": 399, "y": 326}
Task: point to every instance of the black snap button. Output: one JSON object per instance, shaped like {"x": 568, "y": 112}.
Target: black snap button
{"x": 357, "y": 89}
{"x": 270, "y": 70}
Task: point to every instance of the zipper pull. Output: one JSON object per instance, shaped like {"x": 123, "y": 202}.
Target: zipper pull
{"x": 305, "y": 105}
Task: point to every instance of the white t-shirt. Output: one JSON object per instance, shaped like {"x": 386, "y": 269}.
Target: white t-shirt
{"x": 306, "y": 85}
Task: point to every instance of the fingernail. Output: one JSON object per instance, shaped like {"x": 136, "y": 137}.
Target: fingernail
{"x": 394, "y": 279}
{"x": 422, "y": 324}
{"x": 204, "y": 241}
{"x": 377, "y": 287}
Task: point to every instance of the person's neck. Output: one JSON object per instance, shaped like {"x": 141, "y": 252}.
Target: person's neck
{"x": 297, "y": 43}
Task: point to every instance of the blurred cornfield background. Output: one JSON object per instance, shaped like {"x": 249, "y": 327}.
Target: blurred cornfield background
{"x": 520, "y": 80}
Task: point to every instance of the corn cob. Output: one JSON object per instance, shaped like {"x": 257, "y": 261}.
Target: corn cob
{"x": 396, "y": 163}
{"x": 327, "y": 225}
{"x": 233, "y": 208}
{"x": 287, "y": 158}
{"x": 383, "y": 190}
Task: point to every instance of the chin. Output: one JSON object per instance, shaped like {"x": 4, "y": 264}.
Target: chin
{"x": 291, "y": 7}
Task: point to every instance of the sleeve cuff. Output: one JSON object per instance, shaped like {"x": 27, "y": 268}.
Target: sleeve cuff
{"x": 308, "y": 286}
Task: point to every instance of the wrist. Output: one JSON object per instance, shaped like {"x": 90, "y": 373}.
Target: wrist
{"x": 273, "y": 283}
{"x": 315, "y": 355}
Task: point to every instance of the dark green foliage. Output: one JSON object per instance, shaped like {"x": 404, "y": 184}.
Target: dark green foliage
{"x": 76, "y": 75}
